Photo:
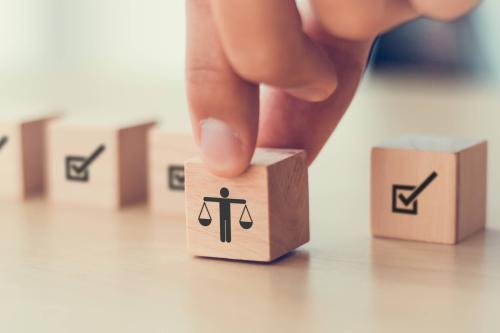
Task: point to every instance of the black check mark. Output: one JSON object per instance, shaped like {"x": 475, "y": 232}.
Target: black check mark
{"x": 179, "y": 178}
{"x": 408, "y": 200}
{"x": 89, "y": 160}
{"x": 3, "y": 141}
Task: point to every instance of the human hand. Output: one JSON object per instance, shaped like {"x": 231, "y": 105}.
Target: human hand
{"x": 310, "y": 59}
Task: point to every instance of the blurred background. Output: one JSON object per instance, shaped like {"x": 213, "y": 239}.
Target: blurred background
{"x": 128, "y": 57}
{"x": 98, "y": 43}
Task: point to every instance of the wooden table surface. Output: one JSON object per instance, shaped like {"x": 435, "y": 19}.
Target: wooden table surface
{"x": 71, "y": 269}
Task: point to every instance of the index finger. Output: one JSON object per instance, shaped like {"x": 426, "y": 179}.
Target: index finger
{"x": 224, "y": 108}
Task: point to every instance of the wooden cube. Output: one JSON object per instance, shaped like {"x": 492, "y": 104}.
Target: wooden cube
{"x": 22, "y": 154}
{"x": 428, "y": 189}
{"x": 259, "y": 215}
{"x": 97, "y": 161}
{"x": 167, "y": 153}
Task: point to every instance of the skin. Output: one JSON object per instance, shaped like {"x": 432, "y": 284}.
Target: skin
{"x": 268, "y": 73}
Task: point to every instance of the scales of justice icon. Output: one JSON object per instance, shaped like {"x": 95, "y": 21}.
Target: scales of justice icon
{"x": 205, "y": 218}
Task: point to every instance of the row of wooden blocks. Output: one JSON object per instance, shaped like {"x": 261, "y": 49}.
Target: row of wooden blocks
{"x": 111, "y": 163}
{"x": 426, "y": 189}
{"x": 93, "y": 161}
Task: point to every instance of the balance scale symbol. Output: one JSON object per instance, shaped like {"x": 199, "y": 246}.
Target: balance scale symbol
{"x": 205, "y": 218}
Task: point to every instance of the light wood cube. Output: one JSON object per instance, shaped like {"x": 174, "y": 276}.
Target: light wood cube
{"x": 167, "y": 154}
{"x": 22, "y": 155}
{"x": 98, "y": 162}
{"x": 259, "y": 216}
{"x": 428, "y": 189}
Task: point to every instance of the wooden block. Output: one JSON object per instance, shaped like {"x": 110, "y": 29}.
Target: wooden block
{"x": 167, "y": 154}
{"x": 97, "y": 161}
{"x": 428, "y": 189}
{"x": 22, "y": 154}
{"x": 259, "y": 216}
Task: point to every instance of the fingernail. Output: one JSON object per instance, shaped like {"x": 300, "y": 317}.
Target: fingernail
{"x": 221, "y": 147}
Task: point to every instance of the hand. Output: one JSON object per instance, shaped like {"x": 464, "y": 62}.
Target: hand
{"x": 310, "y": 60}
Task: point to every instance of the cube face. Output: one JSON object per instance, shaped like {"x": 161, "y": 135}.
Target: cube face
{"x": 224, "y": 237}
{"x": 33, "y": 135}
{"x": 167, "y": 154}
{"x": 11, "y": 167}
{"x": 83, "y": 165}
{"x": 289, "y": 205}
{"x": 250, "y": 217}
{"x": 22, "y": 156}
{"x": 472, "y": 179}
{"x": 414, "y": 195}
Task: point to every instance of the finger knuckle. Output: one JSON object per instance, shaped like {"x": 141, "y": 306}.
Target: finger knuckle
{"x": 351, "y": 22}
{"x": 356, "y": 30}
{"x": 264, "y": 63}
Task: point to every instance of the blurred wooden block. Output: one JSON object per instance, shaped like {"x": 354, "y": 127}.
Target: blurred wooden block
{"x": 259, "y": 216}
{"x": 167, "y": 154}
{"x": 97, "y": 161}
{"x": 22, "y": 154}
{"x": 428, "y": 189}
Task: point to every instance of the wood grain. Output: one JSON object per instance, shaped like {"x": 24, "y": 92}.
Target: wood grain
{"x": 276, "y": 192}
{"x": 79, "y": 270}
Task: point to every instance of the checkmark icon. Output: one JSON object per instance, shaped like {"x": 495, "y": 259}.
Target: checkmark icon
{"x": 411, "y": 198}
{"x": 419, "y": 190}
{"x": 77, "y": 167}
{"x": 89, "y": 160}
{"x": 175, "y": 174}
{"x": 3, "y": 141}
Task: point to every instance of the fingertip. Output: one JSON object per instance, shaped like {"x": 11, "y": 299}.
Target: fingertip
{"x": 222, "y": 149}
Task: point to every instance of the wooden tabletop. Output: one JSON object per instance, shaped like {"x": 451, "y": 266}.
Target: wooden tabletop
{"x": 71, "y": 269}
